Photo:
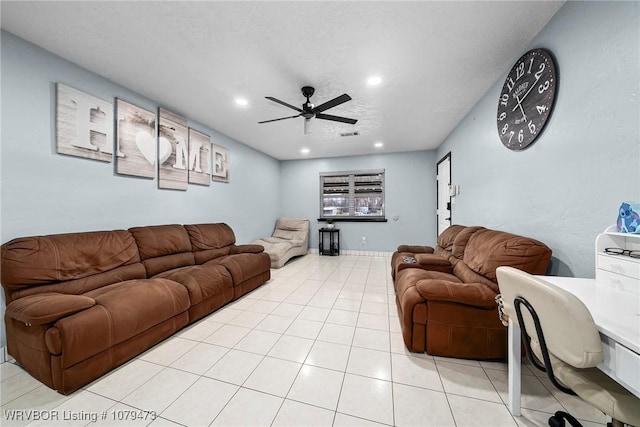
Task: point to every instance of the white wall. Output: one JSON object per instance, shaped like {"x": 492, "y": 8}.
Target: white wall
{"x": 410, "y": 193}
{"x": 45, "y": 193}
{"x": 567, "y": 187}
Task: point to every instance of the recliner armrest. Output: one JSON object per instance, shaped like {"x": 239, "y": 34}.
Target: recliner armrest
{"x": 433, "y": 262}
{"x": 432, "y": 259}
{"x": 247, "y": 249}
{"x": 47, "y": 307}
{"x": 476, "y": 294}
{"x": 416, "y": 249}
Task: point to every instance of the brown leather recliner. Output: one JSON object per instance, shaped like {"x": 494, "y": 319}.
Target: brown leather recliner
{"x": 452, "y": 312}
{"x": 433, "y": 259}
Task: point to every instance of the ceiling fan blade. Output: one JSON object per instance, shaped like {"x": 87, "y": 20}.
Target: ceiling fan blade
{"x": 330, "y": 104}
{"x": 281, "y": 118}
{"x": 271, "y": 98}
{"x": 336, "y": 118}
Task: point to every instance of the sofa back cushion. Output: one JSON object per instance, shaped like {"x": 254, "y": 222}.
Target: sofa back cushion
{"x": 489, "y": 249}
{"x": 292, "y": 229}
{"x": 462, "y": 239}
{"x": 210, "y": 236}
{"x": 446, "y": 238}
{"x": 210, "y": 241}
{"x": 163, "y": 247}
{"x": 68, "y": 263}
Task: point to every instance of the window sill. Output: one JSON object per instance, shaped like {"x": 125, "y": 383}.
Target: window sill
{"x": 354, "y": 219}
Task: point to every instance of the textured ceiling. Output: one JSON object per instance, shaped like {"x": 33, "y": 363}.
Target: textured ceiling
{"x": 436, "y": 60}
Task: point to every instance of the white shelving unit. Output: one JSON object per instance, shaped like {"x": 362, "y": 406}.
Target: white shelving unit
{"x": 618, "y": 271}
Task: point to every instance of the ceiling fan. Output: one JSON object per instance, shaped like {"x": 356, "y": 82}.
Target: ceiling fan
{"x": 309, "y": 111}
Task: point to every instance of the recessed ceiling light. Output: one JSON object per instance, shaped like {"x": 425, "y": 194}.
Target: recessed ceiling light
{"x": 378, "y": 144}
{"x": 374, "y": 80}
{"x": 304, "y": 150}
{"x": 242, "y": 102}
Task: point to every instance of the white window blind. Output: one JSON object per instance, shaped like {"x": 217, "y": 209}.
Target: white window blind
{"x": 357, "y": 195}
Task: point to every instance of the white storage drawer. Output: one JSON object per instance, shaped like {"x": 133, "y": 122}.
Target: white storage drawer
{"x": 628, "y": 366}
{"x": 617, "y": 281}
{"x": 620, "y": 264}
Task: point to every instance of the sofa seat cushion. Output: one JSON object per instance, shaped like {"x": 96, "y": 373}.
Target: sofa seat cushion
{"x": 476, "y": 294}
{"x": 122, "y": 311}
{"x": 408, "y": 296}
{"x": 244, "y": 266}
{"x": 409, "y": 277}
{"x": 201, "y": 281}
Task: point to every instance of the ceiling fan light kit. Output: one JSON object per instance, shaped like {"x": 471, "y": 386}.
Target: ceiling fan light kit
{"x": 309, "y": 111}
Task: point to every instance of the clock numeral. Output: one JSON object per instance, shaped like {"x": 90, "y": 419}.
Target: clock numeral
{"x": 504, "y": 99}
{"x": 543, "y": 87}
{"x": 541, "y": 109}
{"x": 505, "y": 128}
{"x": 532, "y": 127}
{"x": 540, "y": 70}
{"x": 510, "y": 84}
{"x": 502, "y": 116}
{"x": 511, "y": 136}
{"x": 520, "y": 136}
{"x": 530, "y": 65}
{"x": 520, "y": 71}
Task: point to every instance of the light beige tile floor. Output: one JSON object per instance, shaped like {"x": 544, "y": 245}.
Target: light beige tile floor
{"x": 318, "y": 345}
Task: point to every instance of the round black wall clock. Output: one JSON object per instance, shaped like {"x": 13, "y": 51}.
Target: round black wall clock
{"x": 526, "y": 99}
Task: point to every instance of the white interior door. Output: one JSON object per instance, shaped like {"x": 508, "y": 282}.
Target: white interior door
{"x": 444, "y": 196}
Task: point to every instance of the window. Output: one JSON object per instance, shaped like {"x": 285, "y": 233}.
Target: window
{"x": 354, "y": 195}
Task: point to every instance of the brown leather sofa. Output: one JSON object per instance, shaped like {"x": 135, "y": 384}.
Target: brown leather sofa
{"x": 446, "y": 297}
{"x": 81, "y": 304}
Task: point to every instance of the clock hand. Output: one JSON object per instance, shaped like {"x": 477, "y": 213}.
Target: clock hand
{"x": 525, "y": 95}
{"x": 524, "y": 116}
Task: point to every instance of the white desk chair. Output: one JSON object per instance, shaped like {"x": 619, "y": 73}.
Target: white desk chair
{"x": 561, "y": 338}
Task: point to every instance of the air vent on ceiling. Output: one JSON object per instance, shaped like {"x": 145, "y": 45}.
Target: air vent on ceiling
{"x": 355, "y": 133}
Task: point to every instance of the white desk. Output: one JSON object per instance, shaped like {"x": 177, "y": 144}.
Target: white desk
{"x": 616, "y": 313}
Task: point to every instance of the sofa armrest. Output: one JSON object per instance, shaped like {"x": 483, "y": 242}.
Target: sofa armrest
{"x": 415, "y": 249}
{"x": 432, "y": 262}
{"x": 476, "y": 294}
{"x": 432, "y": 259}
{"x": 47, "y": 307}
{"x": 247, "y": 249}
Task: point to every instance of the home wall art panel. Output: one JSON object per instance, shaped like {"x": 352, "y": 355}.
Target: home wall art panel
{"x": 199, "y": 158}
{"x": 173, "y": 153}
{"x": 84, "y": 124}
{"x": 136, "y": 140}
{"x": 221, "y": 164}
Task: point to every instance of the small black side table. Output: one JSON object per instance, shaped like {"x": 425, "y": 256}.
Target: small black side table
{"x": 334, "y": 241}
